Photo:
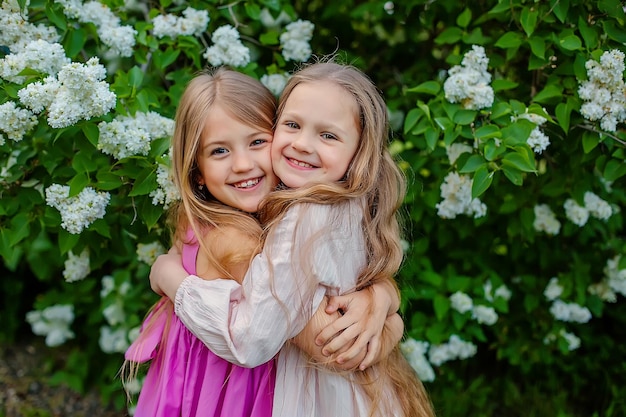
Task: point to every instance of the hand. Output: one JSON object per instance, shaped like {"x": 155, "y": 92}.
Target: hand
{"x": 167, "y": 273}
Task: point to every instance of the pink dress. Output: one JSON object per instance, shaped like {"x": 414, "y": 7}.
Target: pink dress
{"x": 187, "y": 379}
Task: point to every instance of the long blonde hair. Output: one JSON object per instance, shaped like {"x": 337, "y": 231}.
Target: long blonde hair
{"x": 251, "y": 103}
{"x": 372, "y": 177}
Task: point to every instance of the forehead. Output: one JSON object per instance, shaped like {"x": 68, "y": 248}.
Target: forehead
{"x": 324, "y": 99}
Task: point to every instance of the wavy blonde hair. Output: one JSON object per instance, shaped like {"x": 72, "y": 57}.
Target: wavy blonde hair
{"x": 251, "y": 103}
{"x": 374, "y": 179}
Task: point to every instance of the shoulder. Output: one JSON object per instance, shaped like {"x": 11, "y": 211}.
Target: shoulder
{"x": 344, "y": 215}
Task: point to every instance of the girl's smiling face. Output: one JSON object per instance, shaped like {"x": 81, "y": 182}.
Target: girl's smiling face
{"x": 316, "y": 135}
{"x": 234, "y": 161}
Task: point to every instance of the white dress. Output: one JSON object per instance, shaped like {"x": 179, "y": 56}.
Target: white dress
{"x": 248, "y": 324}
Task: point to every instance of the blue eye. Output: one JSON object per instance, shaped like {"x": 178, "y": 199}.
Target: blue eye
{"x": 219, "y": 151}
{"x": 292, "y": 125}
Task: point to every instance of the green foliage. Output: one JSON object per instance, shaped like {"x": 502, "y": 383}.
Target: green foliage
{"x": 537, "y": 53}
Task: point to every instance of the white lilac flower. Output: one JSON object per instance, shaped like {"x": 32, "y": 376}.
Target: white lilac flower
{"x": 603, "y": 291}
{"x": 148, "y": 252}
{"x": 227, "y": 48}
{"x": 597, "y": 207}
{"x": 553, "y": 290}
{"x": 38, "y": 55}
{"x": 575, "y": 213}
{"x": 537, "y": 140}
{"x": 545, "y": 220}
{"x": 275, "y": 82}
{"x": 455, "y": 150}
{"x": 108, "y": 285}
{"x": 269, "y": 21}
{"x": 294, "y": 42}
{"x": 194, "y": 23}
{"x": 53, "y": 322}
{"x": 39, "y": 95}
{"x": 17, "y": 31}
{"x": 469, "y": 83}
{"x": 484, "y": 315}
{"x": 456, "y": 348}
{"x": 461, "y": 302}
{"x": 119, "y": 39}
{"x": 615, "y": 277}
{"x": 604, "y": 93}
{"x": 114, "y": 313}
{"x": 167, "y": 192}
{"x": 573, "y": 341}
{"x": 79, "y": 211}
{"x": 77, "y": 267}
{"x": 570, "y": 312}
{"x": 82, "y": 94}
{"x": 127, "y": 136}
{"x": 503, "y": 292}
{"x": 113, "y": 341}
{"x": 456, "y": 191}
{"x": 415, "y": 353}
{"x": 16, "y": 122}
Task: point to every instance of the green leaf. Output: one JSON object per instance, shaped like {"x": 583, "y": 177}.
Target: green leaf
{"x": 91, "y": 132}
{"x": 431, "y": 136}
{"x": 560, "y": 9}
{"x": 269, "y": 38}
{"x": 472, "y": 164}
{"x": 74, "y": 42}
{"x": 67, "y": 241}
{"x": 510, "y": 40}
{"x": 538, "y": 46}
{"x": 513, "y": 174}
{"x": 151, "y": 213}
{"x": 83, "y": 162}
{"x": 501, "y": 85}
{"x": 519, "y": 160}
{"x": 135, "y": 77}
{"x": 253, "y": 10}
{"x": 464, "y": 18}
{"x": 614, "y": 169}
{"x": 481, "y": 181}
{"x": 441, "y": 306}
{"x": 20, "y": 228}
{"x": 450, "y": 35}
{"x": 500, "y": 109}
{"x": 57, "y": 18}
{"x": 488, "y": 131}
{"x": 464, "y": 117}
{"x": 411, "y": 119}
{"x": 563, "y": 113}
{"x": 590, "y": 36}
{"x": 428, "y": 87}
{"x": 518, "y": 132}
{"x": 145, "y": 182}
{"x": 590, "y": 141}
{"x": 570, "y": 42}
{"x": 492, "y": 150}
{"x": 108, "y": 181}
{"x": 550, "y": 93}
{"x": 614, "y": 32}
{"x": 163, "y": 59}
{"x": 528, "y": 19}
{"x": 78, "y": 183}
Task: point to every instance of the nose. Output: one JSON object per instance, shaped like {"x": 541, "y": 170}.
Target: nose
{"x": 242, "y": 162}
{"x": 302, "y": 143}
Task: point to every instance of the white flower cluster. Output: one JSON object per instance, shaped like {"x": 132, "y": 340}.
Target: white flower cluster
{"x": 113, "y": 340}
{"x": 570, "y": 312}
{"x": 545, "y": 220}
{"x": 148, "y": 252}
{"x": 53, "y": 322}
{"x": 502, "y": 292}
{"x": 594, "y": 206}
{"x": 456, "y": 191}
{"x": 614, "y": 281}
{"x": 553, "y": 290}
{"x": 109, "y": 287}
{"x": 469, "y": 83}
{"x": 538, "y": 141}
{"x": 120, "y": 39}
{"x": 38, "y": 55}
{"x": 275, "y": 82}
{"x": 227, "y": 48}
{"x": 17, "y": 32}
{"x": 114, "y": 337}
{"x": 456, "y": 348}
{"x": 15, "y": 122}
{"x": 604, "y": 92}
{"x": 573, "y": 341}
{"x": 77, "y": 93}
{"x": 463, "y": 303}
{"x": 415, "y": 353}
{"x": 77, "y": 267}
{"x": 167, "y": 192}
{"x": 194, "y": 23}
{"x": 294, "y": 42}
{"x": 79, "y": 211}
{"x": 455, "y": 150}
{"x": 127, "y": 136}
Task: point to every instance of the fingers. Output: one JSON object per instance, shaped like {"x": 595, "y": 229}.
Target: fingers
{"x": 373, "y": 348}
{"x": 332, "y": 331}
{"x": 337, "y": 302}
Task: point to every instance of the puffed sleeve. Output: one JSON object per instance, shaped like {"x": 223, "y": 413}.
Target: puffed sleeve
{"x": 315, "y": 249}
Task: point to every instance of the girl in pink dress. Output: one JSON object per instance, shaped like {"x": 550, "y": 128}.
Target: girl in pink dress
{"x": 222, "y": 166}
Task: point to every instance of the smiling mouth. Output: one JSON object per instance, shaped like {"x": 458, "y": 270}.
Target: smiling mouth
{"x": 300, "y": 163}
{"x": 247, "y": 183}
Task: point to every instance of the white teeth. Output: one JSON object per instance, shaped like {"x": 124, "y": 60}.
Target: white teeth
{"x": 301, "y": 164}
{"x": 247, "y": 184}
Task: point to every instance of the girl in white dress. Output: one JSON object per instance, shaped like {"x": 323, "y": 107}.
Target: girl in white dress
{"x": 335, "y": 219}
